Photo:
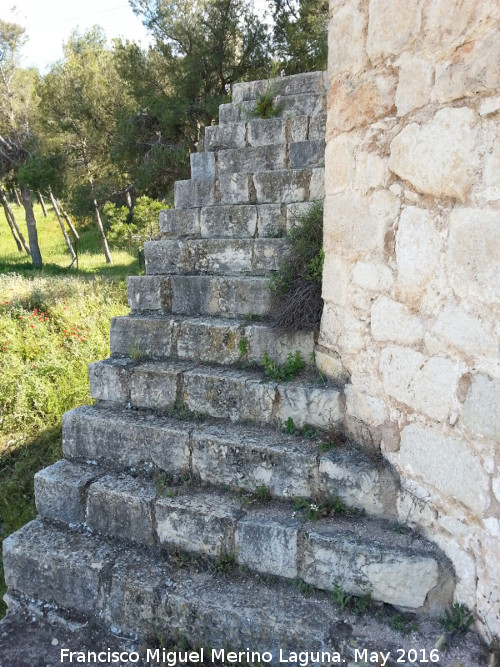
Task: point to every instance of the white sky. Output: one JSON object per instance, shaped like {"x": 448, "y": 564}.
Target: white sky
{"x": 49, "y": 23}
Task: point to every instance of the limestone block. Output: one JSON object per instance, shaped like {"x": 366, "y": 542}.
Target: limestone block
{"x": 418, "y": 251}
{"x": 317, "y": 128}
{"x": 495, "y": 485}
{"x": 268, "y": 544}
{"x": 109, "y": 381}
{"x": 414, "y": 85}
{"x": 271, "y": 220}
{"x": 234, "y": 189}
{"x": 296, "y": 84}
{"x": 122, "y": 506}
{"x": 177, "y": 223}
{"x": 266, "y": 131}
{"x": 468, "y": 333}
{"x": 193, "y": 295}
{"x": 350, "y": 228}
{"x": 202, "y": 523}
{"x": 149, "y": 293}
{"x": 453, "y": 23}
{"x": 346, "y": 42}
{"x": 373, "y": 276}
{"x": 260, "y": 339}
{"x": 473, "y": 69}
{"x": 489, "y": 105}
{"x": 330, "y": 365}
{"x": 317, "y": 184}
{"x": 435, "y": 157}
{"x": 357, "y": 102}
{"x": 336, "y": 286}
{"x": 230, "y": 114}
{"x": 369, "y": 409}
{"x": 61, "y": 491}
{"x": 446, "y": 463}
{"x": 491, "y": 171}
{"x": 372, "y": 171}
{"x": 340, "y": 165}
{"x": 267, "y": 254}
{"x": 231, "y": 135}
{"x": 282, "y": 186}
{"x": 166, "y": 257}
{"x": 481, "y": 413}
{"x": 252, "y": 159}
{"x": 391, "y": 27}
{"x": 473, "y": 257}
{"x": 228, "y": 221}
{"x": 425, "y": 384}
{"x": 233, "y": 297}
{"x": 392, "y": 321}
{"x": 193, "y": 194}
{"x": 310, "y": 405}
{"x": 143, "y": 336}
{"x": 202, "y": 166}
{"x": 154, "y": 384}
{"x": 307, "y": 154}
{"x": 294, "y": 213}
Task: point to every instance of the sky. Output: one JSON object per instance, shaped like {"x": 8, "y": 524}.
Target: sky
{"x": 49, "y": 23}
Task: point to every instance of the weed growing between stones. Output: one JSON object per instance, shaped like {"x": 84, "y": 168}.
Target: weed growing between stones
{"x": 293, "y": 365}
{"x": 296, "y": 286}
{"x": 303, "y": 587}
{"x": 458, "y": 619}
{"x": 347, "y": 602}
{"x": 267, "y": 104}
{"x": 262, "y": 493}
{"x": 402, "y": 625}
{"x": 243, "y": 345}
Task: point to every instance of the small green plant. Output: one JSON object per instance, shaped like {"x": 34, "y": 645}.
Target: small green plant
{"x": 340, "y": 597}
{"x": 290, "y": 427}
{"x": 458, "y": 619}
{"x": 400, "y": 624}
{"x": 225, "y": 562}
{"x": 243, "y": 345}
{"x": 337, "y": 506}
{"x": 262, "y": 493}
{"x": 135, "y": 352}
{"x": 293, "y": 365}
{"x": 303, "y": 587}
{"x": 267, "y": 104}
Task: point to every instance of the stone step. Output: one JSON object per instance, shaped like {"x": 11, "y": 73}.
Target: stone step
{"x": 265, "y": 132}
{"x": 258, "y": 257}
{"x": 295, "y": 84}
{"x": 239, "y": 457}
{"x": 220, "y": 296}
{"x": 134, "y": 595}
{"x": 365, "y": 557}
{"x": 266, "y": 187}
{"x": 205, "y": 339}
{"x": 302, "y": 104}
{"x": 248, "y": 160}
{"x": 234, "y": 221}
{"x": 215, "y": 391}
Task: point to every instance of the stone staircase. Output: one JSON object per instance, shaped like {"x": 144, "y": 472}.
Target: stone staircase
{"x": 182, "y": 508}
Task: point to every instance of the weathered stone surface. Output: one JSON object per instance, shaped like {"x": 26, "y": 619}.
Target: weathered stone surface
{"x": 193, "y": 194}
{"x": 266, "y": 131}
{"x": 481, "y": 414}
{"x": 369, "y": 409}
{"x": 356, "y": 102}
{"x": 231, "y": 135}
{"x": 317, "y": 128}
{"x": 179, "y": 223}
{"x": 155, "y": 385}
{"x": 453, "y": 23}
{"x": 426, "y": 384}
{"x": 61, "y": 491}
{"x": 268, "y": 544}
{"x": 465, "y": 332}
{"x": 228, "y": 221}
{"x": 142, "y": 336}
{"x": 272, "y": 220}
{"x": 340, "y": 163}
{"x": 472, "y": 69}
{"x": 65, "y": 569}
{"x": 282, "y": 186}
{"x": 418, "y": 251}
{"x": 310, "y": 405}
{"x": 147, "y": 293}
{"x": 202, "y": 166}
{"x": 373, "y": 276}
{"x": 108, "y": 382}
{"x": 346, "y": 41}
{"x": 414, "y": 85}
{"x": 391, "y": 27}
{"x": 124, "y": 439}
{"x": 122, "y": 507}
{"x": 392, "y": 321}
{"x": 201, "y": 522}
{"x": 435, "y": 156}
{"x": 296, "y": 84}
{"x": 252, "y": 159}
{"x": 473, "y": 255}
{"x": 303, "y": 104}
{"x": 446, "y": 463}
{"x": 307, "y": 154}
{"x": 260, "y": 339}
{"x": 317, "y": 184}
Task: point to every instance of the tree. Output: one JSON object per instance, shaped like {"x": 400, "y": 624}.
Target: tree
{"x": 81, "y": 96}
{"x": 17, "y": 109}
{"x": 300, "y": 35}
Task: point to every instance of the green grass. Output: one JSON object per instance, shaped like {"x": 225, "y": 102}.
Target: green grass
{"x": 53, "y": 323}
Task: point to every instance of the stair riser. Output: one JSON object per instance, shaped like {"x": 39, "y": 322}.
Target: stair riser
{"x": 265, "y": 187}
{"x": 292, "y": 105}
{"x": 233, "y": 222}
{"x": 208, "y": 341}
{"x": 297, "y": 84}
{"x": 241, "y": 461}
{"x": 199, "y": 295}
{"x": 265, "y": 132}
{"x": 268, "y": 541}
{"x": 214, "y": 257}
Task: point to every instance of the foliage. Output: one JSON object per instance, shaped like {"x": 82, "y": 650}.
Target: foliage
{"x": 399, "y": 623}
{"x": 296, "y": 286}
{"x": 300, "y": 35}
{"x": 262, "y": 493}
{"x": 293, "y": 365}
{"x": 348, "y": 602}
{"x": 458, "y": 619}
{"x": 267, "y": 104}
{"x": 142, "y": 227}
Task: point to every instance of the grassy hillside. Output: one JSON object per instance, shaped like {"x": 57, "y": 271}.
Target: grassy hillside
{"x": 53, "y": 323}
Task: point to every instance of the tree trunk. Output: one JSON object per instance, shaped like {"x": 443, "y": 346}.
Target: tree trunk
{"x": 100, "y": 226}
{"x": 14, "y": 228}
{"x": 61, "y": 223}
{"x": 36, "y": 255}
{"x": 70, "y": 224}
{"x": 16, "y": 195}
{"x": 42, "y": 203}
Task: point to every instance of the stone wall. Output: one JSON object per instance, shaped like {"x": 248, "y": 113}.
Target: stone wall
{"x": 412, "y": 269}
